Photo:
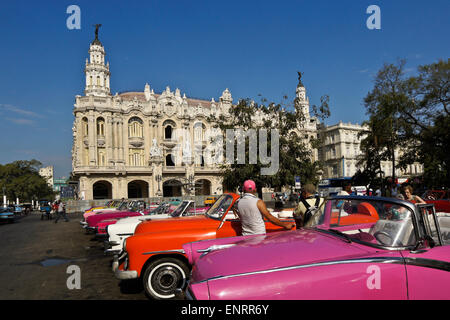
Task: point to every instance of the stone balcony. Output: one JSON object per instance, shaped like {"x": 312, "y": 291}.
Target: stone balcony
{"x": 136, "y": 142}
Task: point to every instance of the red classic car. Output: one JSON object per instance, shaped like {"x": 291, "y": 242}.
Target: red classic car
{"x": 440, "y": 199}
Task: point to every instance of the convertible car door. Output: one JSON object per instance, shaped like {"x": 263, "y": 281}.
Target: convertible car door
{"x": 428, "y": 273}
{"x": 428, "y": 270}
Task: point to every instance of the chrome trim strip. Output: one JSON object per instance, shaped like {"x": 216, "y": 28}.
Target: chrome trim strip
{"x": 166, "y": 251}
{"x": 394, "y": 260}
{"x": 428, "y": 263}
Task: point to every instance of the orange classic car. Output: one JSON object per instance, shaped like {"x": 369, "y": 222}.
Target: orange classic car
{"x": 155, "y": 252}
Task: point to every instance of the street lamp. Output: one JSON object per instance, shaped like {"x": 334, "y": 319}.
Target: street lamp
{"x": 4, "y": 197}
{"x": 190, "y": 185}
{"x": 159, "y": 179}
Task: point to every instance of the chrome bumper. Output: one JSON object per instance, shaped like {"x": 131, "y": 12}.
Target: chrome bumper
{"x": 108, "y": 248}
{"x": 121, "y": 274}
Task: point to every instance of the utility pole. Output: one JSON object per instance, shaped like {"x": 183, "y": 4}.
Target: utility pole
{"x": 393, "y": 153}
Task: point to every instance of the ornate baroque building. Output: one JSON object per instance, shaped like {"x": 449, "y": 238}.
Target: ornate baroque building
{"x": 125, "y": 145}
{"x": 144, "y": 144}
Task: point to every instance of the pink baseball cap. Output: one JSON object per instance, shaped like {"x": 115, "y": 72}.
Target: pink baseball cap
{"x": 249, "y": 186}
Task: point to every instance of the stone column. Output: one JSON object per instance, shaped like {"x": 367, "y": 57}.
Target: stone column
{"x": 78, "y": 143}
{"x": 156, "y": 163}
{"x": 121, "y": 142}
{"x": 109, "y": 139}
{"x": 92, "y": 139}
{"x": 115, "y": 140}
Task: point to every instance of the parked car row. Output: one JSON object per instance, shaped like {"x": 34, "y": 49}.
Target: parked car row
{"x": 356, "y": 247}
{"x": 12, "y": 211}
{"x": 7, "y": 215}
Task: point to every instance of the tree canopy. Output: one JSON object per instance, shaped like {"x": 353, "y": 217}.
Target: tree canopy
{"x": 21, "y": 179}
{"x": 294, "y": 146}
{"x": 410, "y": 113}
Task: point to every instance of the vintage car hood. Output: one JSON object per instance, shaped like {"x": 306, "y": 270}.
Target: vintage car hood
{"x": 276, "y": 250}
{"x": 171, "y": 224}
{"x": 94, "y": 219}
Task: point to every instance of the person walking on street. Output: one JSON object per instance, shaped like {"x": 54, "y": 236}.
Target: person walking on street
{"x": 61, "y": 212}
{"x": 252, "y": 211}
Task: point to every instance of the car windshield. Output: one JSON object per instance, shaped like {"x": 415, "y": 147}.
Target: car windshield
{"x": 161, "y": 209}
{"x": 123, "y": 206}
{"x": 180, "y": 209}
{"x": 217, "y": 210}
{"x": 373, "y": 222}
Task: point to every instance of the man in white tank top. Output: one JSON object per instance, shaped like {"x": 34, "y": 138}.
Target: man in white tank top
{"x": 252, "y": 211}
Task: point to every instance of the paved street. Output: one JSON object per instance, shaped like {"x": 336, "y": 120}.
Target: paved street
{"x": 35, "y": 255}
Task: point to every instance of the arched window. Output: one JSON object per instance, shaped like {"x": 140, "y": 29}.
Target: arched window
{"x": 85, "y": 156}
{"x": 84, "y": 127}
{"x": 169, "y": 161}
{"x": 168, "y": 132}
{"x": 168, "y": 126}
{"x": 199, "y": 131}
{"x": 98, "y": 80}
{"x": 136, "y": 157}
{"x": 100, "y": 126}
{"x": 135, "y": 128}
{"x": 101, "y": 157}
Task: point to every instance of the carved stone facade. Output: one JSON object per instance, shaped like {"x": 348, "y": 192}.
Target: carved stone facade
{"x": 145, "y": 144}
{"x": 126, "y": 145}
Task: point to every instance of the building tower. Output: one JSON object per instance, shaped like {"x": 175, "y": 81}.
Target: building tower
{"x": 301, "y": 100}
{"x": 96, "y": 71}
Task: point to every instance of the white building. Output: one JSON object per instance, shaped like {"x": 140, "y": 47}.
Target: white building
{"x": 341, "y": 151}
{"x": 47, "y": 174}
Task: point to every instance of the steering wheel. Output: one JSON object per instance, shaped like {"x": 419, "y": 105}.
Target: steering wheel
{"x": 384, "y": 233}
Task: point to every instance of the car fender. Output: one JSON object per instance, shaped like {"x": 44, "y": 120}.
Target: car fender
{"x": 142, "y": 247}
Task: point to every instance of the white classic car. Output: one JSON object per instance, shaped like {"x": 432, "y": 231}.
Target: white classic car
{"x": 125, "y": 227}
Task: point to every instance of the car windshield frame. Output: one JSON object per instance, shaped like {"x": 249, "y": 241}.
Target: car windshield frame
{"x": 325, "y": 225}
{"x": 161, "y": 209}
{"x": 215, "y": 208}
{"x": 180, "y": 209}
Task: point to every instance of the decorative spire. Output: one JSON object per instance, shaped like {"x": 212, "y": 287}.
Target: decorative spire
{"x": 226, "y": 96}
{"x": 96, "y": 41}
{"x": 300, "y": 84}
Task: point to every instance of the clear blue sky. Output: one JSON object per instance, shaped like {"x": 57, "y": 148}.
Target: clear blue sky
{"x": 201, "y": 47}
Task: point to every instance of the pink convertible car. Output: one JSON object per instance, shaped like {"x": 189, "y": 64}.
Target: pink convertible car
{"x": 404, "y": 254}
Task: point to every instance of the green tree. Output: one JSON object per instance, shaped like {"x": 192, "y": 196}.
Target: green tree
{"x": 295, "y": 153}
{"x": 21, "y": 179}
{"x": 411, "y": 114}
